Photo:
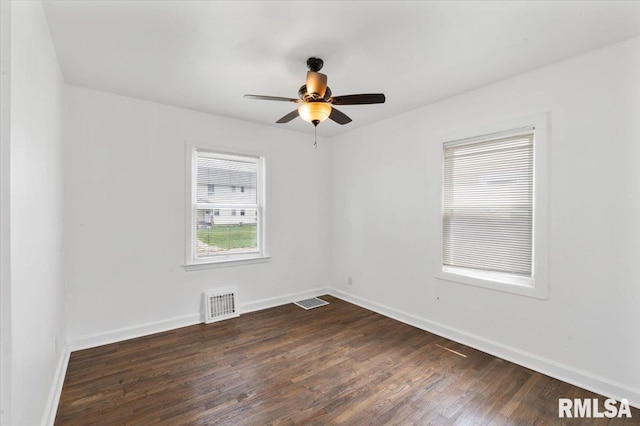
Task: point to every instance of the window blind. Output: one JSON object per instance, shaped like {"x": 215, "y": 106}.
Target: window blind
{"x": 488, "y": 203}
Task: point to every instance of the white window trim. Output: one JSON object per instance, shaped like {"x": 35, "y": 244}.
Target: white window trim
{"x": 192, "y": 262}
{"x": 537, "y": 285}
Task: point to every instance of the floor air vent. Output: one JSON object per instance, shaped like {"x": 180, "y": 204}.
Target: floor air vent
{"x": 220, "y": 304}
{"x": 314, "y": 302}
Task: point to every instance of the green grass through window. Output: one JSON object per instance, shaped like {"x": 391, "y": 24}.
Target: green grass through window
{"x": 230, "y": 236}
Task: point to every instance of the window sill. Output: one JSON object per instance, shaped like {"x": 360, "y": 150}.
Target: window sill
{"x": 226, "y": 262}
{"x": 494, "y": 281}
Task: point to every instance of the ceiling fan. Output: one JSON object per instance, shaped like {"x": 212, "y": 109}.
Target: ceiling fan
{"x": 316, "y": 101}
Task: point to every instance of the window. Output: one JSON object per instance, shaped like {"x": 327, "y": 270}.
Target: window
{"x": 489, "y": 211}
{"x": 218, "y": 234}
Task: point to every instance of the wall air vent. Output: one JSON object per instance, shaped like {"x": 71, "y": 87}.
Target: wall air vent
{"x": 220, "y": 304}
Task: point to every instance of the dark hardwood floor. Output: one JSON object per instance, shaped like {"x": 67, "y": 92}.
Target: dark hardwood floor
{"x": 337, "y": 364}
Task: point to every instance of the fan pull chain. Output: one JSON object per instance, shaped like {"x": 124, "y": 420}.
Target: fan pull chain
{"x": 315, "y": 136}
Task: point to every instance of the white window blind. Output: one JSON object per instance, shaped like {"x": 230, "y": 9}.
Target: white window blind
{"x": 219, "y": 229}
{"x": 488, "y": 203}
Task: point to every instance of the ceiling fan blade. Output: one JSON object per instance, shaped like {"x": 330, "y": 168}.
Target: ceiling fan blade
{"x": 287, "y": 118}
{"x": 363, "y": 99}
{"x": 339, "y": 117}
{"x": 271, "y": 98}
{"x": 316, "y": 84}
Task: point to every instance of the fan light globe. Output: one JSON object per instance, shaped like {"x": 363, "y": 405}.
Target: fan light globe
{"x": 314, "y": 111}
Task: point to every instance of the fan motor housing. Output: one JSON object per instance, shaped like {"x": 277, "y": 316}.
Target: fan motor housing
{"x": 305, "y": 96}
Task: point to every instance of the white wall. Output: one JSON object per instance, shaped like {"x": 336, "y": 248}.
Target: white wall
{"x": 5, "y": 244}
{"x": 389, "y": 240}
{"x": 124, "y": 242}
{"x": 37, "y": 291}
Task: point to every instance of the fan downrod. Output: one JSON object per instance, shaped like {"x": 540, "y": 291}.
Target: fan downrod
{"x": 315, "y": 64}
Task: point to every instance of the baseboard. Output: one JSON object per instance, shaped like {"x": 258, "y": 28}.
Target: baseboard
{"x": 542, "y": 365}
{"x": 118, "y": 335}
{"x": 51, "y": 408}
{"x": 272, "y": 302}
{"x": 582, "y": 379}
{"x": 114, "y": 336}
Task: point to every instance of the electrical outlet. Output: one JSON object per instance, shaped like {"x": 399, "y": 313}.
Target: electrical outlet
{"x": 350, "y": 280}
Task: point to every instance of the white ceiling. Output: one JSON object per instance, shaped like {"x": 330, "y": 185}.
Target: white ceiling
{"x": 205, "y": 55}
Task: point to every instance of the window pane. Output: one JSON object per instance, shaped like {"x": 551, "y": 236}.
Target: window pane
{"x": 488, "y": 204}
{"x": 218, "y": 181}
{"x": 221, "y": 232}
